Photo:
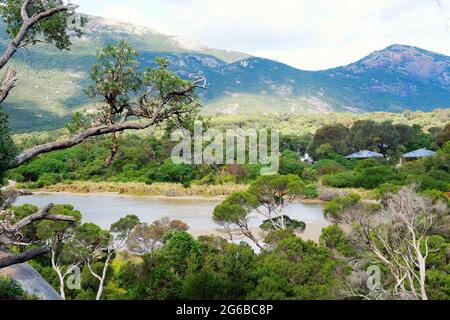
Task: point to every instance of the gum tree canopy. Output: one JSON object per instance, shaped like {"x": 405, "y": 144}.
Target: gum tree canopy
{"x": 155, "y": 96}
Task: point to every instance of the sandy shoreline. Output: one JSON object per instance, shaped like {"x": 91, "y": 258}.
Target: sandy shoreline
{"x": 162, "y": 197}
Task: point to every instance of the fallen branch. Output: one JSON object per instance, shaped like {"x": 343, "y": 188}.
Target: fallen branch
{"x": 22, "y": 257}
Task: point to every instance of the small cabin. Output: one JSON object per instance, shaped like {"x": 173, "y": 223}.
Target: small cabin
{"x": 416, "y": 155}
{"x": 365, "y": 154}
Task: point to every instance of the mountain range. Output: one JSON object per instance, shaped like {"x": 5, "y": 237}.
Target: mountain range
{"x": 51, "y": 83}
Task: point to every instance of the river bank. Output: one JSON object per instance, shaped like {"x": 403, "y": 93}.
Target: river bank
{"x": 155, "y": 191}
{"x": 169, "y": 190}
{"x": 104, "y": 209}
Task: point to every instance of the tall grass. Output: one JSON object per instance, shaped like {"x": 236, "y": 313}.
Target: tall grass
{"x": 156, "y": 189}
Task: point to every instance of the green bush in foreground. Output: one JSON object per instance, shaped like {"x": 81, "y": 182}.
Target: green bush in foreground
{"x": 11, "y": 290}
{"x": 336, "y": 206}
{"x": 340, "y": 180}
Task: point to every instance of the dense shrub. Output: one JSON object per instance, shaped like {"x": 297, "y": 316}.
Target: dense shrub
{"x": 325, "y": 167}
{"x": 170, "y": 172}
{"x": 436, "y": 195}
{"x": 385, "y": 189}
{"x": 295, "y": 269}
{"x": 11, "y": 290}
{"x": 426, "y": 182}
{"x": 366, "y": 163}
{"x": 340, "y": 180}
{"x": 336, "y": 206}
{"x": 372, "y": 177}
{"x": 311, "y": 191}
{"x": 334, "y": 238}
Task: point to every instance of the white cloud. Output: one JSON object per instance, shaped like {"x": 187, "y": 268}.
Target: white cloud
{"x": 131, "y": 15}
{"x": 309, "y": 34}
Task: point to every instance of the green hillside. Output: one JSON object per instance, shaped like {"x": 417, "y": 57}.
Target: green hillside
{"x": 51, "y": 83}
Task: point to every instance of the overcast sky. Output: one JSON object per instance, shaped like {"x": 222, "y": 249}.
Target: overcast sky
{"x": 307, "y": 34}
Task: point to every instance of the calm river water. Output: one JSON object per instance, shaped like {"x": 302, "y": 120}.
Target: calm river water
{"x": 105, "y": 209}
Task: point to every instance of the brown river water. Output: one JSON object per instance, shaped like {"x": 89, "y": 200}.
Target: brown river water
{"x": 105, "y": 209}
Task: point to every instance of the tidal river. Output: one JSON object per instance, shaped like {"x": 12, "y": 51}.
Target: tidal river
{"x": 105, "y": 209}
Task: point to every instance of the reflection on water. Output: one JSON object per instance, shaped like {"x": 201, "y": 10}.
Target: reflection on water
{"x": 105, "y": 209}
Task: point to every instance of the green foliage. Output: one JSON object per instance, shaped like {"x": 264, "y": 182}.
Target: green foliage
{"x": 426, "y": 182}
{"x": 444, "y": 136}
{"x": 373, "y": 177}
{"x": 340, "y": 180}
{"x": 53, "y": 29}
{"x": 223, "y": 271}
{"x": 170, "y": 172}
{"x": 235, "y": 208}
{"x": 438, "y": 278}
{"x": 338, "y": 205}
{"x": 165, "y": 82}
{"x": 11, "y": 290}
{"x": 179, "y": 246}
{"x": 296, "y": 226}
{"x": 116, "y": 75}
{"x": 366, "y": 135}
{"x": 335, "y": 136}
{"x": 386, "y": 189}
{"x": 296, "y": 270}
{"x": 438, "y": 285}
{"x": 296, "y": 144}
{"x": 290, "y": 164}
{"x": 420, "y": 139}
{"x": 124, "y": 226}
{"x": 334, "y": 238}
{"x": 43, "y": 166}
{"x": 46, "y": 229}
{"x": 436, "y": 195}
{"x": 365, "y": 164}
{"x": 277, "y": 188}
{"x": 328, "y": 166}
{"x": 7, "y": 147}
{"x": 311, "y": 191}
{"x": 78, "y": 122}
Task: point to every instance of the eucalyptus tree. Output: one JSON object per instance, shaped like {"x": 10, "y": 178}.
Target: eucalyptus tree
{"x": 65, "y": 255}
{"x": 29, "y": 22}
{"x": 334, "y": 135}
{"x": 234, "y": 215}
{"x": 368, "y": 134}
{"x": 102, "y": 246}
{"x": 7, "y": 148}
{"x": 145, "y": 238}
{"x": 267, "y": 197}
{"x": 163, "y": 96}
{"x": 398, "y": 237}
{"x": 274, "y": 193}
{"x": 115, "y": 77}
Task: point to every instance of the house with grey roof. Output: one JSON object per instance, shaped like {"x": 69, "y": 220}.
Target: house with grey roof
{"x": 416, "y": 155}
{"x": 364, "y": 154}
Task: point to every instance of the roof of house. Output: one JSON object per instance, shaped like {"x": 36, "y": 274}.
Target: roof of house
{"x": 365, "y": 154}
{"x": 421, "y": 153}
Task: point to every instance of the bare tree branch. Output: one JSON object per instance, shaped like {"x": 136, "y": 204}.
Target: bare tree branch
{"x": 42, "y": 214}
{"x": 27, "y": 24}
{"x": 7, "y": 84}
{"x": 29, "y": 154}
{"x": 22, "y": 257}
{"x": 24, "y": 12}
